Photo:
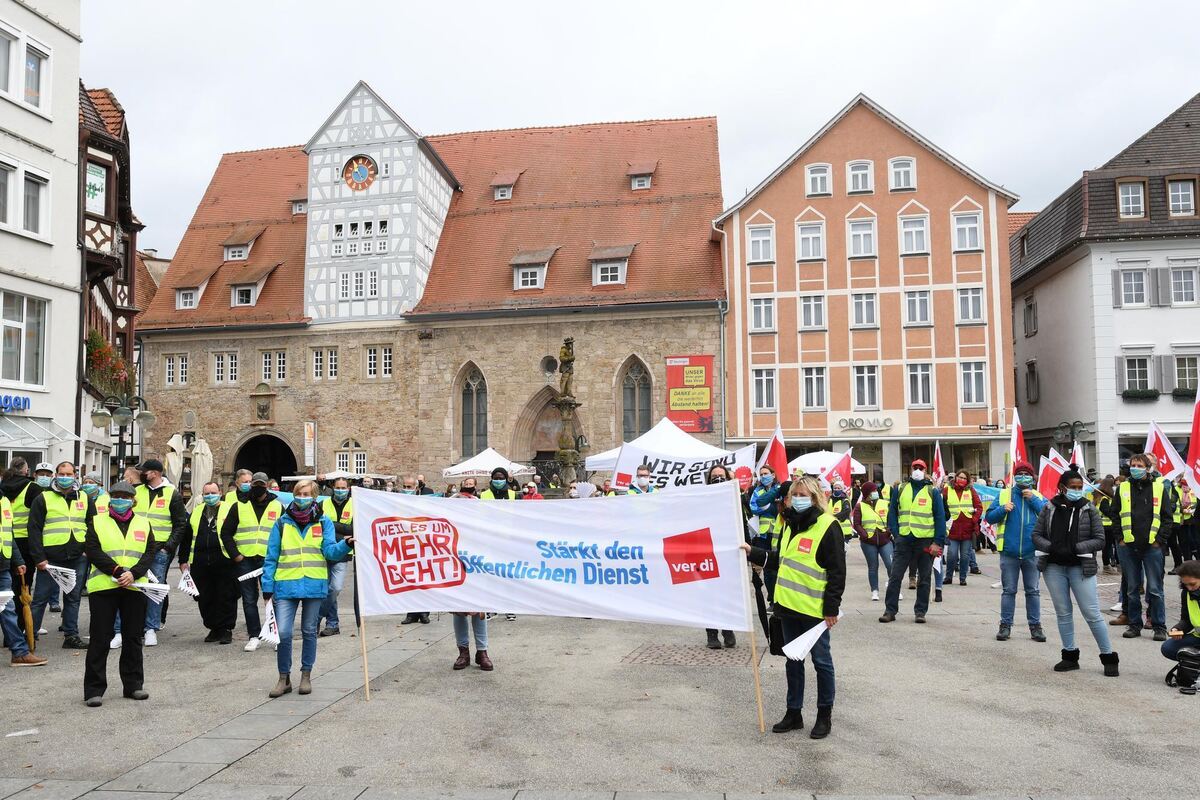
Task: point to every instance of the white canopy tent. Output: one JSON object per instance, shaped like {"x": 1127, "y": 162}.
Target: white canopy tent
{"x": 481, "y": 466}
{"x": 819, "y": 462}
{"x": 665, "y": 437}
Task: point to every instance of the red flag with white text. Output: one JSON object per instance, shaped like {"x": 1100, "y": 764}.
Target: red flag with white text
{"x": 1048, "y": 476}
{"x": 1193, "y": 456}
{"x": 1016, "y": 444}
{"x": 1169, "y": 462}
{"x": 939, "y": 467}
{"x": 775, "y": 455}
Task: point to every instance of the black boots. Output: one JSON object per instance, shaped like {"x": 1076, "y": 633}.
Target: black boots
{"x": 1070, "y": 661}
{"x": 730, "y": 639}
{"x": 714, "y": 643}
{"x": 1110, "y": 662}
{"x": 824, "y": 723}
{"x": 793, "y": 720}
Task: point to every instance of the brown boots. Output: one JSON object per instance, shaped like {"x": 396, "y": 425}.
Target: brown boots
{"x": 464, "y": 658}
{"x": 1121, "y": 620}
{"x": 282, "y": 686}
{"x": 485, "y": 663}
{"x": 305, "y": 683}
{"x": 481, "y": 658}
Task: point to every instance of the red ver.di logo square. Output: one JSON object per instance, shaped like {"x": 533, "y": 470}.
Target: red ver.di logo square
{"x": 416, "y": 553}
{"x": 690, "y": 557}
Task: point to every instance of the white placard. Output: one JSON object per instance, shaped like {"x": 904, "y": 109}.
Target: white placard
{"x": 668, "y": 472}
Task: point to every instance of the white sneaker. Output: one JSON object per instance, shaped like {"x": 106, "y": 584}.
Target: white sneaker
{"x": 874, "y": 595}
{"x": 115, "y": 644}
{"x": 251, "y": 645}
{"x": 42, "y": 632}
{"x": 901, "y": 596}
{"x": 150, "y": 638}
{"x": 1117, "y": 607}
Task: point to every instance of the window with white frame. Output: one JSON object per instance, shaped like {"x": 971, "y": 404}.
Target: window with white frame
{"x": 331, "y": 363}
{"x": 224, "y": 369}
{"x": 372, "y": 365}
{"x": 360, "y": 463}
{"x": 860, "y": 177}
{"x": 35, "y": 217}
{"x": 385, "y": 168}
{"x": 502, "y": 193}
{"x": 268, "y": 371}
{"x": 281, "y": 365}
{"x": 605, "y": 273}
{"x": 764, "y": 389}
{"x": 169, "y": 370}
{"x": 966, "y": 231}
{"x": 344, "y": 286}
{"x": 385, "y": 361}
{"x": 343, "y": 461}
{"x": 1133, "y": 199}
{"x": 639, "y": 182}
{"x": 351, "y": 452}
{"x": 367, "y": 247}
{"x": 337, "y": 249}
{"x": 382, "y": 228}
{"x": 762, "y": 314}
{"x": 368, "y": 227}
{"x": 231, "y": 365}
{"x": 36, "y": 74}
{"x": 1133, "y": 287}
{"x": 235, "y": 252}
{"x": 529, "y": 276}
{"x": 810, "y": 241}
{"x": 914, "y": 235}
{"x": 970, "y": 304}
{"x": 973, "y": 383}
{"x": 1033, "y": 383}
{"x": 186, "y": 298}
{"x": 360, "y": 285}
{"x": 274, "y": 366}
{"x": 902, "y": 174}
{"x": 181, "y": 366}
{"x": 862, "y": 238}
{"x": 866, "y": 387}
{"x": 339, "y": 230}
{"x": 8, "y": 180}
{"x": 762, "y": 244}
{"x": 1137, "y": 373}
{"x": 351, "y": 248}
{"x": 1187, "y": 372}
{"x": 1183, "y": 286}
{"x": 373, "y": 283}
{"x": 318, "y": 364}
{"x": 1182, "y": 196}
{"x": 917, "y": 309}
{"x": 920, "y": 385}
{"x": 814, "y": 388}
{"x": 1031, "y": 319}
{"x": 8, "y": 47}
{"x": 242, "y": 295}
{"x": 812, "y": 312}
{"x": 817, "y": 179}
{"x": 354, "y": 229}
{"x": 23, "y": 332}
{"x": 299, "y": 207}
{"x": 864, "y": 305}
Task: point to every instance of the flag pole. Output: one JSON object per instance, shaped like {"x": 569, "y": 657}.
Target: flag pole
{"x": 362, "y": 639}
{"x": 746, "y": 583}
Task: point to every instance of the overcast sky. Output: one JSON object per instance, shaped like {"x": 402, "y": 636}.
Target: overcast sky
{"x": 1029, "y": 94}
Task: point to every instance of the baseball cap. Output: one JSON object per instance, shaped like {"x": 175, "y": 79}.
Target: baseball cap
{"x": 260, "y": 477}
{"x": 123, "y": 487}
{"x": 919, "y": 462}
{"x": 151, "y": 464}
{"x": 44, "y": 466}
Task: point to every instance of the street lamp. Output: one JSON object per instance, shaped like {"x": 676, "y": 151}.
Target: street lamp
{"x": 1069, "y": 432}
{"x": 122, "y": 411}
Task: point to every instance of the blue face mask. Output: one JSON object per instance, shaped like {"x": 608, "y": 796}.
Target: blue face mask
{"x": 341, "y": 494}
{"x": 44, "y": 481}
{"x": 1074, "y": 495}
{"x": 212, "y": 499}
{"x": 801, "y": 503}
{"x": 766, "y": 480}
{"x": 498, "y": 485}
{"x": 408, "y": 491}
{"x": 90, "y": 489}
{"x": 120, "y": 504}
{"x": 1137, "y": 473}
{"x": 874, "y": 495}
{"x": 243, "y": 487}
{"x": 64, "y": 481}
{"x": 1024, "y": 480}
{"x": 302, "y": 503}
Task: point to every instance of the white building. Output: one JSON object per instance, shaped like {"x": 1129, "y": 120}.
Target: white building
{"x": 40, "y": 267}
{"x": 1106, "y": 300}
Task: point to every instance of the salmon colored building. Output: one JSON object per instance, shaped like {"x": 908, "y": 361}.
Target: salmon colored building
{"x": 869, "y": 306}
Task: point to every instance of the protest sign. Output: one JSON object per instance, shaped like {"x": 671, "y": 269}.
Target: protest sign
{"x": 668, "y": 471}
{"x": 690, "y": 392}
{"x": 666, "y": 557}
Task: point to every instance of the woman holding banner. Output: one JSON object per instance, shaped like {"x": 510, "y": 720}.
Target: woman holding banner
{"x": 719, "y": 473}
{"x": 808, "y": 592}
{"x": 296, "y": 576}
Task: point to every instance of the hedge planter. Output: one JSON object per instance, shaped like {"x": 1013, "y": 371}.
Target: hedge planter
{"x": 1140, "y": 394}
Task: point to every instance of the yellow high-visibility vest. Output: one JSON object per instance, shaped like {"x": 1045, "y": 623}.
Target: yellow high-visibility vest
{"x": 158, "y": 511}
{"x": 125, "y": 549}
{"x": 252, "y": 533}
{"x": 916, "y": 512}
{"x": 801, "y": 583}
{"x": 64, "y": 520}
{"x": 1005, "y": 498}
{"x": 6, "y": 528}
{"x": 959, "y": 504}
{"x": 1126, "y": 495}
{"x": 300, "y": 554}
{"x": 346, "y": 517}
{"x": 874, "y": 516}
{"x": 20, "y": 510}
{"x": 488, "y": 494}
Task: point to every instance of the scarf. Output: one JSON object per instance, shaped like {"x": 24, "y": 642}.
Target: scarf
{"x": 302, "y": 517}
{"x": 1064, "y": 531}
{"x": 128, "y": 515}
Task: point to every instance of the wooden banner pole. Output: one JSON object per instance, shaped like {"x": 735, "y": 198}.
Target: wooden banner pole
{"x": 362, "y": 640}
{"x": 746, "y": 587}
{"x": 762, "y": 725}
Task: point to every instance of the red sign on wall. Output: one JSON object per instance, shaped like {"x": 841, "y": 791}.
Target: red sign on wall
{"x": 690, "y": 392}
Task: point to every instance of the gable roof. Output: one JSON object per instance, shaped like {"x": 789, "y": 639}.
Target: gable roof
{"x": 1017, "y": 220}
{"x": 100, "y": 112}
{"x": 863, "y": 100}
{"x": 1175, "y": 140}
{"x": 144, "y": 285}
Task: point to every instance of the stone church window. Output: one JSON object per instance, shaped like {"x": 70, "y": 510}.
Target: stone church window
{"x": 351, "y": 453}
{"x": 635, "y": 401}
{"x": 474, "y": 414}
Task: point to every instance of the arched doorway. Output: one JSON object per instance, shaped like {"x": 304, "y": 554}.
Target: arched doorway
{"x": 266, "y": 453}
{"x": 535, "y": 434}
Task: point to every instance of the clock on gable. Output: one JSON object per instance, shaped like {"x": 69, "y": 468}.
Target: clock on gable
{"x": 359, "y": 172}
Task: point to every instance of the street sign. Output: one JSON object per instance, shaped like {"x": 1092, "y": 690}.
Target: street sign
{"x": 989, "y": 427}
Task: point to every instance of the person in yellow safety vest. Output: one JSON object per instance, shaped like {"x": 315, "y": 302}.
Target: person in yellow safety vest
{"x": 1102, "y": 498}
{"x": 1190, "y": 537}
{"x": 240, "y": 492}
{"x": 1013, "y": 515}
{"x": 20, "y": 490}
{"x": 210, "y": 569}
{"x": 339, "y": 508}
{"x": 57, "y": 526}
{"x": 840, "y": 506}
{"x": 120, "y": 550}
{"x": 606, "y": 489}
{"x": 1175, "y": 537}
{"x": 917, "y": 524}
{"x": 1183, "y": 643}
{"x": 763, "y": 499}
{"x": 12, "y": 567}
{"x": 92, "y": 488}
{"x": 410, "y": 486}
{"x": 964, "y": 511}
{"x": 1142, "y": 508}
{"x": 641, "y": 482}
{"x": 498, "y": 489}
{"x": 296, "y": 578}
{"x": 870, "y": 523}
{"x": 811, "y": 564}
{"x": 161, "y": 503}
{"x": 245, "y": 529}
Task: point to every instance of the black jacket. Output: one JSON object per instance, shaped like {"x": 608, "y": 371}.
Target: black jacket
{"x": 103, "y": 562}
{"x": 341, "y": 529}
{"x": 1089, "y": 539}
{"x": 831, "y": 557}
{"x": 1142, "y": 499}
{"x": 179, "y": 518}
{"x": 229, "y": 529}
{"x": 62, "y": 553}
{"x": 204, "y": 547}
{"x": 11, "y": 487}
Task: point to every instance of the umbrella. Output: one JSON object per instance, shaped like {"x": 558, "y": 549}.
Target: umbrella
{"x": 174, "y": 460}
{"x": 27, "y": 615}
{"x": 819, "y": 462}
{"x": 202, "y": 464}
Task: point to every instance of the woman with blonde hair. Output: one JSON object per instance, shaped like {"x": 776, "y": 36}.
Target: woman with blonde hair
{"x": 811, "y": 563}
{"x": 296, "y": 576}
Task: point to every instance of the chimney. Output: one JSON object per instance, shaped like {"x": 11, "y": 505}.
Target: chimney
{"x": 150, "y": 252}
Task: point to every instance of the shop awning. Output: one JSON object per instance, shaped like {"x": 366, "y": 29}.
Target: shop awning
{"x": 32, "y": 432}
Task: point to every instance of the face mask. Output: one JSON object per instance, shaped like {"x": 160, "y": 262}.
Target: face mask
{"x": 801, "y": 503}
{"x": 408, "y": 491}
{"x": 961, "y": 482}
{"x": 1024, "y": 480}
{"x": 44, "y": 481}
{"x": 766, "y": 480}
{"x": 64, "y": 481}
{"x": 212, "y": 499}
{"x": 302, "y": 503}
{"x": 499, "y": 484}
{"x": 874, "y": 495}
{"x": 716, "y": 479}
{"x": 1194, "y": 594}
{"x": 643, "y": 481}
{"x": 918, "y": 474}
{"x": 90, "y": 489}
{"x": 468, "y": 490}
{"x": 243, "y": 488}
{"x": 341, "y": 494}
{"x": 839, "y": 491}
{"x": 1137, "y": 473}
{"x": 258, "y": 491}
{"x": 1074, "y": 495}
{"x": 120, "y": 504}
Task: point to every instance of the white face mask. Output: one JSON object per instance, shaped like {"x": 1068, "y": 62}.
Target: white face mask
{"x": 643, "y": 481}
{"x": 918, "y": 474}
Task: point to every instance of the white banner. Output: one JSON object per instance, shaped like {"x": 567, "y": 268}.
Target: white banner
{"x": 669, "y": 557}
{"x": 669, "y": 472}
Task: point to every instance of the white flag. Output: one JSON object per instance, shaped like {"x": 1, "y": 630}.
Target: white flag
{"x": 63, "y": 576}
{"x": 187, "y": 585}
{"x": 270, "y": 628}
{"x": 799, "y": 648}
{"x": 249, "y": 575}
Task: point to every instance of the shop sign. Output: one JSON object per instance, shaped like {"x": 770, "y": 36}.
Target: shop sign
{"x": 865, "y": 424}
{"x": 13, "y": 402}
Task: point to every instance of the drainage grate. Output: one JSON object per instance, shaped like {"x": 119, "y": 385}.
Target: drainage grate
{"x": 683, "y": 655}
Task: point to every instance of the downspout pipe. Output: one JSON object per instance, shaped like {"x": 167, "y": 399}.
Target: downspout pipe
{"x": 723, "y": 310}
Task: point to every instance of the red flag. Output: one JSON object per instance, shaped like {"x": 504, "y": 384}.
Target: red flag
{"x": 840, "y": 470}
{"x": 1169, "y": 462}
{"x": 1016, "y": 445}
{"x": 1193, "y": 456}
{"x": 775, "y": 456}
{"x": 1077, "y": 457}
{"x": 1056, "y": 458}
{"x": 939, "y": 469}
{"x": 1048, "y": 477}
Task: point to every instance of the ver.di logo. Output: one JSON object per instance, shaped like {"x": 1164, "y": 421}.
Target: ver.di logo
{"x": 416, "y": 553}
{"x": 690, "y": 557}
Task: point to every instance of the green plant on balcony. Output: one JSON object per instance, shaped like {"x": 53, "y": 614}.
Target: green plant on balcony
{"x": 1141, "y": 394}
{"x": 106, "y": 368}
{"x": 1184, "y": 392}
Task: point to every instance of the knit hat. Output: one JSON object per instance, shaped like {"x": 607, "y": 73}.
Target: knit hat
{"x": 869, "y": 487}
{"x": 499, "y": 473}
{"x": 1023, "y": 466}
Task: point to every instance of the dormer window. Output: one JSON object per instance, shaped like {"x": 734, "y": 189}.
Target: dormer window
{"x": 186, "y": 298}
{"x": 339, "y": 230}
{"x": 1132, "y": 194}
{"x": 235, "y": 252}
{"x": 529, "y": 268}
{"x": 503, "y": 183}
{"x": 639, "y": 182}
{"x": 610, "y": 264}
{"x": 641, "y": 174}
{"x": 241, "y": 241}
{"x": 503, "y": 193}
{"x": 242, "y": 295}
{"x": 353, "y": 229}
{"x": 299, "y": 207}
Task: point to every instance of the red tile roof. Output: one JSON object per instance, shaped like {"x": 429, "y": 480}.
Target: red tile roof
{"x": 105, "y": 104}
{"x": 144, "y": 286}
{"x": 1017, "y": 220}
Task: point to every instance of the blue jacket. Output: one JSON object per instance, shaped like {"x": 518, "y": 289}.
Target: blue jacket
{"x": 301, "y": 588}
{"x": 1022, "y": 518}
{"x": 939, "y": 510}
{"x": 762, "y": 500}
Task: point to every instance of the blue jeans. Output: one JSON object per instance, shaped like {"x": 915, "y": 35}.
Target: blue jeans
{"x": 873, "y": 553}
{"x": 1062, "y": 582}
{"x": 822, "y": 660}
{"x": 249, "y": 590}
{"x": 1136, "y": 566}
{"x": 337, "y": 579}
{"x": 1171, "y": 647}
{"x": 285, "y": 617}
{"x": 158, "y": 568}
{"x": 14, "y": 640}
{"x": 910, "y": 550}
{"x": 45, "y": 589}
{"x": 478, "y": 626}
{"x": 1012, "y": 568}
{"x": 958, "y": 556}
